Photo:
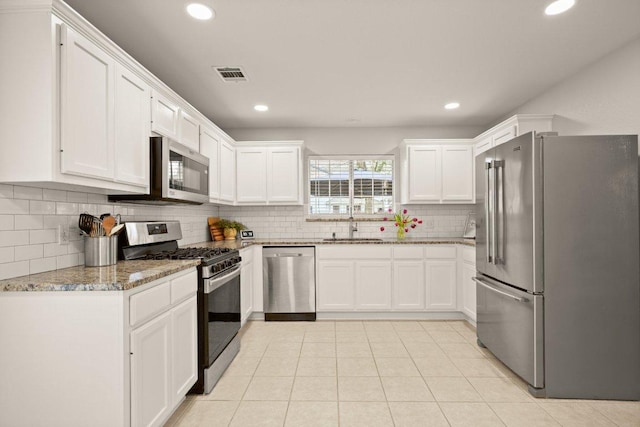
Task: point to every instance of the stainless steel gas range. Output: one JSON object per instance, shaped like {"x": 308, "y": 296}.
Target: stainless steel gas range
{"x": 218, "y": 292}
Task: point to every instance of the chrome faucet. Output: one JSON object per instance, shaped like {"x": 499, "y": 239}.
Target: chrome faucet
{"x": 352, "y": 227}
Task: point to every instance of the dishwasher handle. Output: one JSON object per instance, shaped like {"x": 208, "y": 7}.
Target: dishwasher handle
{"x": 285, "y": 255}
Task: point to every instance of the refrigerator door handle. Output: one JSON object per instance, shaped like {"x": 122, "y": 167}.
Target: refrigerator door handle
{"x": 499, "y": 197}
{"x": 494, "y": 211}
{"x": 487, "y": 209}
{"x": 498, "y": 291}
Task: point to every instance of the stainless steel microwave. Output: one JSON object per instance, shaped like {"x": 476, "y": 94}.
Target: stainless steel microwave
{"x": 178, "y": 175}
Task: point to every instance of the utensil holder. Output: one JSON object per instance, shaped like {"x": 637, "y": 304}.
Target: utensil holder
{"x": 100, "y": 251}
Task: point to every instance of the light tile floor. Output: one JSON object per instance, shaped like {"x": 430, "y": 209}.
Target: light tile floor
{"x": 379, "y": 373}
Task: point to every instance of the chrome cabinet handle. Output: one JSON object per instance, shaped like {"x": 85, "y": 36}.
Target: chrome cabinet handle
{"x": 498, "y": 291}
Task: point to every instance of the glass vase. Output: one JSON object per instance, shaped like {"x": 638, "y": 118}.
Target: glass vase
{"x": 401, "y": 234}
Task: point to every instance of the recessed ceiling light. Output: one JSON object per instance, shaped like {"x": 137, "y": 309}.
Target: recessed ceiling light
{"x": 200, "y": 11}
{"x": 261, "y": 107}
{"x": 452, "y": 105}
{"x": 559, "y": 6}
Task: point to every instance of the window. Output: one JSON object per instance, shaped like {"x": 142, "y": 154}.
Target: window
{"x": 341, "y": 186}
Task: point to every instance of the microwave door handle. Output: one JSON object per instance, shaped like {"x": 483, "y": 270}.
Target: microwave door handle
{"x": 487, "y": 208}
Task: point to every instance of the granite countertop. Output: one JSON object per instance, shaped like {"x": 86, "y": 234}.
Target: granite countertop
{"x": 123, "y": 276}
{"x": 239, "y": 244}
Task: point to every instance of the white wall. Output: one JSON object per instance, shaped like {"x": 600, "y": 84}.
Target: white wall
{"x": 29, "y": 219}
{"x": 603, "y": 98}
{"x": 384, "y": 140}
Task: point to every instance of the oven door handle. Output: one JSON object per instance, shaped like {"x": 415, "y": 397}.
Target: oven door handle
{"x": 211, "y": 285}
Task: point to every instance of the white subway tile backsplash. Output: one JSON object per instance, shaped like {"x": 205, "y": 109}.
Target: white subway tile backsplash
{"x": 54, "y": 249}
{"x": 6, "y": 222}
{"x": 73, "y": 196}
{"x": 28, "y": 222}
{"x": 54, "y": 195}
{"x": 42, "y": 264}
{"x": 14, "y": 238}
{"x": 96, "y": 198}
{"x": 6, "y": 191}
{"x": 42, "y": 236}
{"x": 66, "y": 208}
{"x": 66, "y": 261}
{"x": 29, "y": 193}
{"x": 39, "y": 207}
{"x": 28, "y": 252}
{"x": 53, "y": 221}
{"x": 13, "y": 206}
{"x": 7, "y": 254}
{"x": 14, "y": 269}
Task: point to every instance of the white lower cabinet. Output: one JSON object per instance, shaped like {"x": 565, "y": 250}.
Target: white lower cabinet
{"x": 373, "y": 285}
{"x": 336, "y": 285}
{"x": 151, "y": 372}
{"x": 184, "y": 321}
{"x": 467, "y": 286}
{"x": 246, "y": 284}
{"x": 441, "y": 284}
{"x": 408, "y": 285}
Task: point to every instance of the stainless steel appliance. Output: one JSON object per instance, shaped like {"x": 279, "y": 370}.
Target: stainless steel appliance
{"x": 218, "y": 292}
{"x": 557, "y": 246}
{"x": 178, "y": 174}
{"x": 289, "y": 282}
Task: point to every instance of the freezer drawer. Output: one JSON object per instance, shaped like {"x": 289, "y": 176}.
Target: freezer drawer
{"x": 509, "y": 324}
{"x": 289, "y": 283}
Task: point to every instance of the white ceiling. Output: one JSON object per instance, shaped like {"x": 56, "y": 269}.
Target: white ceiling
{"x": 363, "y": 63}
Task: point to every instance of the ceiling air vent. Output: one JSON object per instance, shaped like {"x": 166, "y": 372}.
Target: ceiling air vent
{"x": 231, "y": 74}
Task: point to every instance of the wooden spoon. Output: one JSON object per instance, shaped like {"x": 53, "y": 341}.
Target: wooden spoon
{"x": 108, "y": 223}
{"x": 115, "y": 230}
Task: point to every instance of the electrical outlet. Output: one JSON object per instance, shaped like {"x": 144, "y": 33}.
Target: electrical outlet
{"x": 63, "y": 234}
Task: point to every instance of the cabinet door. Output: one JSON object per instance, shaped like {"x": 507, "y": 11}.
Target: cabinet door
{"x": 283, "y": 175}
{"x": 425, "y": 174}
{"x": 210, "y": 147}
{"x": 246, "y": 290}
{"x": 373, "y": 285}
{"x": 227, "y": 172}
{"x": 165, "y": 116}
{"x": 87, "y": 122}
{"x": 184, "y": 322}
{"x": 468, "y": 286}
{"x": 457, "y": 173}
{"x": 251, "y": 175}
{"x": 151, "y": 397}
{"x": 408, "y": 285}
{"x": 504, "y": 135}
{"x": 441, "y": 285}
{"x": 189, "y": 129}
{"x": 336, "y": 290}
{"x": 132, "y": 128}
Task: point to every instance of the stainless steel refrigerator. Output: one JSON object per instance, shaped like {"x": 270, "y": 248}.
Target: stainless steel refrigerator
{"x": 557, "y": 246}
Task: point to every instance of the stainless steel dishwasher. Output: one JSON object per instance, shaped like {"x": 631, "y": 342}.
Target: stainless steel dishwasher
{"x": 289, "y": 282}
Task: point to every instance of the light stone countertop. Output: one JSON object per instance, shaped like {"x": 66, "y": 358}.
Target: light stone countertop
{"x": 239, "y": 244}
{"x": 122, "y": 276}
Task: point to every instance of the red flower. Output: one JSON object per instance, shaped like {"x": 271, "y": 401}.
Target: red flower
{"x": 406, "y": 230}
{"x": 390, "y": 210}
{"x": 413, "y": 226}
{"x": 385, "y": 219}
{"x": 404, "y": 211}
{"x": 420, "y": 222}
{"x": 381, "y": 228}
{"x": 396, "y": 224}
{"x": 415, "y": 219}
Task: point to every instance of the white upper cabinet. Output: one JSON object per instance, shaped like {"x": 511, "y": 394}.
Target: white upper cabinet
{"x": 132, "y": 112}
{"x": 87, "y": 112}
{"x": 437, "y": 171}
{"x": 457, "y": 173}
{"x": 189, "y": 128}
{"x": 269, "y": 173}
{"x": 512, "y": 127}
{"x": 210, "y": 142}
{"x": 251, "y": 172}
{"x": 227, "y": 172}
{"x": 284, "y": 175}
{"x": 165, "y": 116}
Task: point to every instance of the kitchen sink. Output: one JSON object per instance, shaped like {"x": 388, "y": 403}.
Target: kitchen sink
{"x": 353, "y": 239}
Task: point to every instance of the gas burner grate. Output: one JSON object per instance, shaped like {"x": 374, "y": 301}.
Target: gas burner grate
{"x": 188, "y": 253}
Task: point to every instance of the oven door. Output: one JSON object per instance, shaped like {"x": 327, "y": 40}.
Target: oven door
{"x": 222, "y": 306}
{"x": 185, "y": 173}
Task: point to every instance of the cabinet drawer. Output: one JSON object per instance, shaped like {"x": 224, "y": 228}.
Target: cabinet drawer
{"x": 408, "y": 252}
{"x": 440, "y": 252}
{"x": 354, "y": 252}
{"x": 469, "y": 255}
{"x": 145, "y": 305}
{"x": 184, "y": 286}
